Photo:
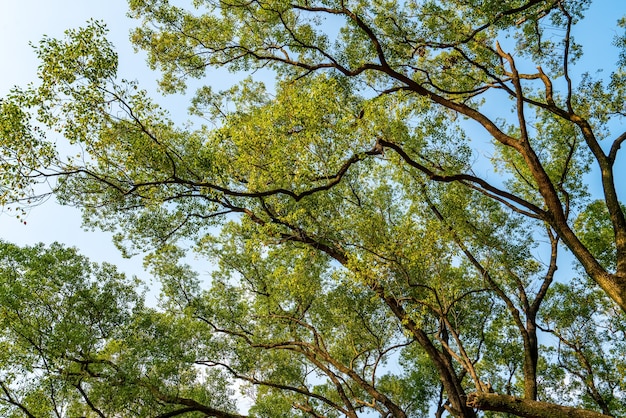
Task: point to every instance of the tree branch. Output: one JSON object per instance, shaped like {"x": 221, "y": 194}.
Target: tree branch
{"x": 525, "y": 407}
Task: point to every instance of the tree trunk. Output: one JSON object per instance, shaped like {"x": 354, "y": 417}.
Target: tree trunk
{"x": 531, "y": 357}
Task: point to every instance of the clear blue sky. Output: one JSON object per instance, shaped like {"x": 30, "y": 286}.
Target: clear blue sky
{"x": 24, "y": 21}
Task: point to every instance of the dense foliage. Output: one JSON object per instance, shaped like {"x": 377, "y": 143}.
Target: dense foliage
{"x": 368, "y": 258}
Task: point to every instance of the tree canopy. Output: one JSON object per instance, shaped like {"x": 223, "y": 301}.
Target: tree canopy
{"x": 385, "y": 216}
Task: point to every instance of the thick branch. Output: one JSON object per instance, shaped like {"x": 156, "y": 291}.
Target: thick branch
{"x": 526, "y": 407}
{"x": 616, "y": 146}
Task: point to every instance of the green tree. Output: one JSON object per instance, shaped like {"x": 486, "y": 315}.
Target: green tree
{"x": 77, "y": 340}
{"x": 347, "y": 205}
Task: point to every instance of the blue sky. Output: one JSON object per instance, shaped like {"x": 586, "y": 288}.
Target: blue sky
{"x": 27, "y": 21}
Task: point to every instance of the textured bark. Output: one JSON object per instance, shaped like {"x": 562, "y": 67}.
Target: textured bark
{"x": 526, "y": 407}
{"x": 531, "y": 358}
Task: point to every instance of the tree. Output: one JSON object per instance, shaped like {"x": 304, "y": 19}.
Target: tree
{"x": 77, "y": 340}
{"x": 347, "y": 205}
